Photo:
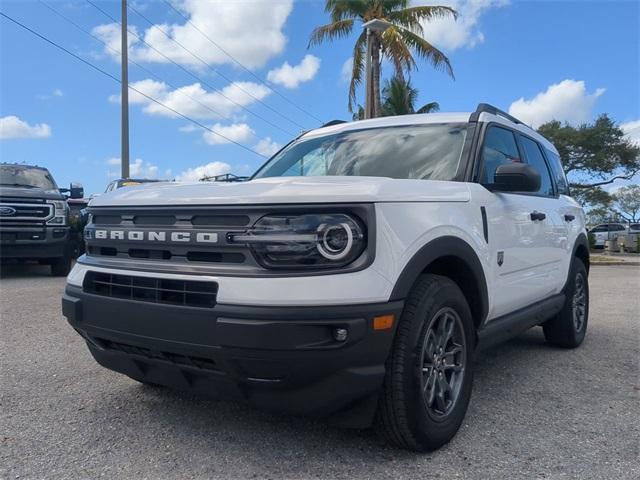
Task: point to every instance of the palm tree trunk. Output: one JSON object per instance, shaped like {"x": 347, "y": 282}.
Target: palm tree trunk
{"x": 375, "y": 76}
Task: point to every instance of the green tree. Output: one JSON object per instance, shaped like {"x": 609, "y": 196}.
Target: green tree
{"x": 627, "y": 202}
{"x": 398, "y": 43}
{"x": 399, "y": 98}
{"x": 593, "y": 154}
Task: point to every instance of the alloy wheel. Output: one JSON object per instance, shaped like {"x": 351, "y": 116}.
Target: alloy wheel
{"x": 579, "y": 302}
{"x": 443, "y": 362}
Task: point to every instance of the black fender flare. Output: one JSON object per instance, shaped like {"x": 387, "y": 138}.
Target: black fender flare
{"x": 443, "y": 247}
{"x": 581, "y": 241}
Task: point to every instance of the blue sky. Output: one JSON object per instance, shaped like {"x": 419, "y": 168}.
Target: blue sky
{"x": 545, "y": 59}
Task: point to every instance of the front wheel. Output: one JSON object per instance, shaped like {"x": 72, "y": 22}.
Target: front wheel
{"x": 429, "y": 375}
{"x": 568, "y": 328}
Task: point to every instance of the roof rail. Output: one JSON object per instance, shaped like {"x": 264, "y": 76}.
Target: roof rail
{"x": 487, "y": 108}
{"x": 333, "y": 122}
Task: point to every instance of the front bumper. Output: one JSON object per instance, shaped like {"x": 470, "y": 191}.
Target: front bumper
{"x": 34, "y": 242}
{"x": 278, "y": 358}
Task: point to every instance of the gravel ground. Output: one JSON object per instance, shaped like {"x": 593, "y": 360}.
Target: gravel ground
{"x": 536, "y": 411}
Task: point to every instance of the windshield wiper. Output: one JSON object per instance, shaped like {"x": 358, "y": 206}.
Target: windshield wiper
{"x": 19, "y": 185}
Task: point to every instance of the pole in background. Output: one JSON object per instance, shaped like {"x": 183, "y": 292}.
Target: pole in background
{"x": 124, "y": 122}
{"x": 368, "y": 101}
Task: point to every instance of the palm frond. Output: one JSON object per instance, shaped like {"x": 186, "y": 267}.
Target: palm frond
{"x": 429, "y": 108}
{"x": 359, "y": 54}
{"x": 395, "y": 49}
{"x": 428, "y": 52}
{"x": 415, "y": 15}
{"x": 341, "y": 9}
{"x": 331, "y": 31}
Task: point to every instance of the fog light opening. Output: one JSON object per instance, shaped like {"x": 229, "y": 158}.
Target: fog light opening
{"x": 340, "y": 334}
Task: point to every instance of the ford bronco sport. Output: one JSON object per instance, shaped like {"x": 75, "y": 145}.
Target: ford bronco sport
{"x": 353, "y": 276}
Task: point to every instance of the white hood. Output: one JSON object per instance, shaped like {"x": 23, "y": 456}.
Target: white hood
{"x": 279, "y": 190}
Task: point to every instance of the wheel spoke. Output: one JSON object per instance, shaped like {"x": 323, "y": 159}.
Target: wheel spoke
{"x": 453, "y": 367}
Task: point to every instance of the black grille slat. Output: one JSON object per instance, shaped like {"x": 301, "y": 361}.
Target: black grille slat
{"x": 190, "y": 293}
{"x": 176, "y": 358}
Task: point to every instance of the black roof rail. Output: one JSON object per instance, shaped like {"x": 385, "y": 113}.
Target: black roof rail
{"x": 487, "y": 108}
{"x": 333, "y": 122}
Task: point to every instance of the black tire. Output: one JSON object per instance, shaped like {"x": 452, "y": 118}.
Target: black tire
{"x": 404, "y": 417}
{"x": 569, "y": 327}
{"x": 60, "y": 267}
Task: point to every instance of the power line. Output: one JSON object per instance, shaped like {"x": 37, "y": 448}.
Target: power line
{"x": 113, "y": 77}
{"x": 149, "y": 72}
{"x": 241, "y": 65}
{"x": 188, "y": 72}
{"x": 215, "y": 70}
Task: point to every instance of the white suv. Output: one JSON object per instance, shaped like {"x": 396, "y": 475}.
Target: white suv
{"x": 353, "y": 277}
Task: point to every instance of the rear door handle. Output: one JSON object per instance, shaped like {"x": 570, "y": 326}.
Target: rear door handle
{"x": 569, "y": 218}
{"x": 537, "y": 216}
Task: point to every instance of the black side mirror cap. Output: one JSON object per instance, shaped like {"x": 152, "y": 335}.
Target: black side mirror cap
{"x": 516, "y": 177}
{"x": 76, "y": 190}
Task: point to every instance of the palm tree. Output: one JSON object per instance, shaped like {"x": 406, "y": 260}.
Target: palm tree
{"x": 399, "y": 98}
{"x": 398, "y": 43}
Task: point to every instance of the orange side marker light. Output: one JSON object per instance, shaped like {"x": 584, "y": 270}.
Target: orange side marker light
{"x": 383, "y": 322}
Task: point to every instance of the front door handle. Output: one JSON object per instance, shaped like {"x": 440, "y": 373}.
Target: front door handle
{"x": 537, "y": 216}
{"x": 569, "y": 218}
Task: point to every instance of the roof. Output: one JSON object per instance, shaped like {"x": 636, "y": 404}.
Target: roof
{"x": 22, "y": 165}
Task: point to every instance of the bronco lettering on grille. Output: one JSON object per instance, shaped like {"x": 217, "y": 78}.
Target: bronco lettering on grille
{"x": 153, "y": 236}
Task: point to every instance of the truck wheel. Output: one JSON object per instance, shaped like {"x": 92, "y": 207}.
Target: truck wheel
{"x": 568, "y": 328}
{"x": 429, "y": 374}
{"x": 60, "y": 267}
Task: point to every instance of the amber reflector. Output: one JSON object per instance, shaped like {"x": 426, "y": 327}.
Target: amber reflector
{"x": 383, "y": 322}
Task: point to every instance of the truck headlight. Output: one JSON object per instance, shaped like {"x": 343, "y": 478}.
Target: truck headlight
{"x": 309, "y": 241}
{"x": 59, "y": 213}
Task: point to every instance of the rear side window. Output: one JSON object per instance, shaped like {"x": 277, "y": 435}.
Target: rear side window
{"x": 558, "y": 173}
{"x": 536, "y": 159}
{"x": 499, "y": 149}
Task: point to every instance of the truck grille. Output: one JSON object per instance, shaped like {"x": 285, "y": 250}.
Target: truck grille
{"x": 154, "y": 290}
{"x": 25, "y": 212}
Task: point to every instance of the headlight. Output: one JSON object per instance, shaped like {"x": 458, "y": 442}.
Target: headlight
{"x": 305, "y": 241}
{"x": 59, "y": 212}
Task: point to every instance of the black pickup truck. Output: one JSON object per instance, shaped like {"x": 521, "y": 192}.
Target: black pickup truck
{"x": 34, "y": 217}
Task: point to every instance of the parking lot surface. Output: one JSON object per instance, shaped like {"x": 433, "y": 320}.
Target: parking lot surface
{"x": 536, "y": 411}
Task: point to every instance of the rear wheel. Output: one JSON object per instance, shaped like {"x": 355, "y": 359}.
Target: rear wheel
{"x": 568, "y": 328}
{"x": 429, "y": 373}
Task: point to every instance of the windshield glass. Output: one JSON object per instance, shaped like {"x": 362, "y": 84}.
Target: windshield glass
{"x": 413, "y": 152}
{"x": 26, "y": 177}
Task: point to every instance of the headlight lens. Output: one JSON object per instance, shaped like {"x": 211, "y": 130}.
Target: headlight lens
{"x": 310, "y": 241}
{"x": 59, "y": 212}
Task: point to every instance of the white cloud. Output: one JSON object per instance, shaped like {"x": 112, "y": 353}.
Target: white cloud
{"x": 13, "y": 127}
{"x": 632, "y": 131}
{"x": 267, "y": 147}
{"x": 292, "y": 76}
{"x": 237, "y": 132}
{"x": 137, "y": 168}
{"x": 193, "y": 100}
{"x": 250, "y": 31}
{"x": 449, "y": 34}
{"x": 567, "y": 101}
{"x": 346, "y": 70}
{"x": 209, "y": 170}
{"x": 58, "y": 93}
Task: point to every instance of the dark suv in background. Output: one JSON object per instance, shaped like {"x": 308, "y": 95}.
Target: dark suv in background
{"x": 34, "y": 217}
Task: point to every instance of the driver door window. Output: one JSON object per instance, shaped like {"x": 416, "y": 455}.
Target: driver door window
{"x": 499, "y": 148}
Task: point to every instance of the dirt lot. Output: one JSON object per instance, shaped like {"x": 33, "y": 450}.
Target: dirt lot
{"x": 536, "y": 411}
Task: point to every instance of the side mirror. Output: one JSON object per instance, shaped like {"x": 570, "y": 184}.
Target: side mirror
{"x": 516, "y": 177}
{"x": 76, "y": 190}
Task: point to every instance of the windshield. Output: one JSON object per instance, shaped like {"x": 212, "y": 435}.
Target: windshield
{"x": 26, "y": 177}
{"x": 417, "y": 152}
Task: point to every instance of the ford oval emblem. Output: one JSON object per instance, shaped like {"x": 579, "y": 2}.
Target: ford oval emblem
{"x": 4, "y": 211}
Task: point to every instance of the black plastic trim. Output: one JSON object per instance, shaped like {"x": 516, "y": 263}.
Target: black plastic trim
{"x": 441, "y": 247}
{"x": 485, "y": 225}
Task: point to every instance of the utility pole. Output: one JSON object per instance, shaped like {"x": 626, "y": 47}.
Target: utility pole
{"x": 124, "y": 122}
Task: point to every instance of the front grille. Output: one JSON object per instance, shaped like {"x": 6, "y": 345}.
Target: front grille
{"x": 187, "y": 293}
{"x": 175, "y": 358}
{"x": 26, "y": 213}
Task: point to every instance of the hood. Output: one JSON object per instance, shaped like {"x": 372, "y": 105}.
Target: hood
{"x": 28, "y": 192}
{"x": 294, "y": 190}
